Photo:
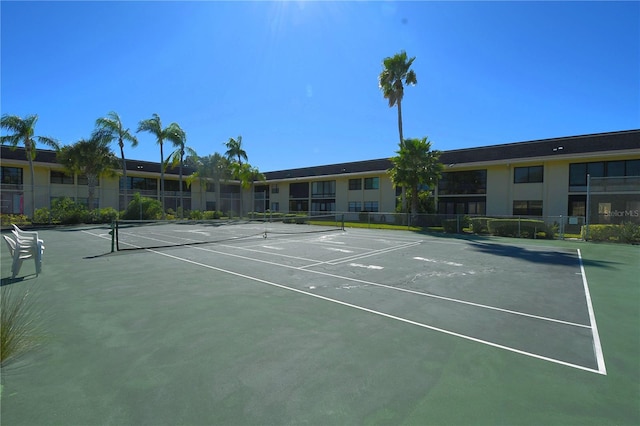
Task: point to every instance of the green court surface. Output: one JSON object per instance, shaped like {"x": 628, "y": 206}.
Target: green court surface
{"x": 344, "y": 327}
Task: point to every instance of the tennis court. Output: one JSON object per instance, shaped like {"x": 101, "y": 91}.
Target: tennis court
{"x": 277, "y": 324}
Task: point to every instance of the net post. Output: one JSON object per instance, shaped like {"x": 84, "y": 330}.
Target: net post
{"x": 113, "y": 236}
{"x": 115, "y": 233}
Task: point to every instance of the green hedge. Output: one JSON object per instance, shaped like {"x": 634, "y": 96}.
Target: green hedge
{"x": 625, "y": 233}
{"x": 523, "y": 228}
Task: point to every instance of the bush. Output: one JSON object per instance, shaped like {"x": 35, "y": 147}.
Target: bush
{"x": 524, "y": 228}
{"x": 210, "y": 214}
{"x": 143, "y": 208}
{"x": 19, "y": 324}
{"x": 18, "y": 219}
{"x": 450, "y": 226}
{"x": 624, "y": 233}
{"x": 104, "y": 215}
{"x": 66, "y": 211}
{"x": 479, "y": 225}
{"x": 42, "y": 215}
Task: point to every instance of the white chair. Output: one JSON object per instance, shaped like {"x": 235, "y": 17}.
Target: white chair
{"x": 26, "y": 245}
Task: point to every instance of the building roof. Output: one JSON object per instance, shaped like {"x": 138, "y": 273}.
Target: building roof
{"x": 49, "y": 156}
{"x": 571, "y": 145}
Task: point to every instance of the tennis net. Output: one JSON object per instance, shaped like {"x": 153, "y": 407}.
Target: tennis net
{"x": 154, "y": 234}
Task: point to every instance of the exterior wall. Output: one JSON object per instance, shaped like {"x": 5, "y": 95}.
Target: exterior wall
{"x": 501, "y": 191}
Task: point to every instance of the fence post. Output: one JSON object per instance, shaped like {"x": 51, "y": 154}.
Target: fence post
{"x": 588, "y": 214}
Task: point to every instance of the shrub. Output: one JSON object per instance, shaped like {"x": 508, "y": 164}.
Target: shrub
{"x": 210, "y": 214}
{"x": 525, "y": 228}
{"x": 66, "y": 211}
{"x": 104, "y": 215}
{"x": 143, "y": 208}
{"x": 479, "y": 225}
{"x": 42, "y": 215}
{"x": 625, "y": 233}
{"x": 19, "y": 324}
{"x": 450, "y": 226}
{"x": 18, "y": 219}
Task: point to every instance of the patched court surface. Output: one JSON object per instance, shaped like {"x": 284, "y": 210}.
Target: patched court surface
{"x": 344, "y": 327}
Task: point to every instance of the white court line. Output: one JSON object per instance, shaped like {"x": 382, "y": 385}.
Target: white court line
{"x": 382, "y": 314}
{"x": 601, "y": 369}
{"x": 597, "y": 348}
{"x": 403, "y": 290}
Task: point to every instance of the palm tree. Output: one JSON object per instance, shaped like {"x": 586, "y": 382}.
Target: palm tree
{"x": 179, "y": 139}
{"x": 23, "y": 132}
{"x": 234, "y": 150}
{"x": 91, "y": 157}
{"x": 212, "y": 167}
{"x": 415, "y": 166}
{"x": 153, "y": 125}
{"x": 247, "y": 175}
{"x": 111, "y": 128}
{"x": 394, "y": 76}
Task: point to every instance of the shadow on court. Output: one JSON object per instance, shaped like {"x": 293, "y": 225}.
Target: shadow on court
{"x": 535, "y": 256}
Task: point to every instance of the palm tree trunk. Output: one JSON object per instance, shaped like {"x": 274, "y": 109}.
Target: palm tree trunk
{"x": 91, "y": 182}
{"x": 414, "y": 205}
{"x": 181, "y": 202}
{"x": 124, "y": 176}
{"x": 162, "y": 180}
{"x": 33, "y": 185}
{"x": 400, "y": 123}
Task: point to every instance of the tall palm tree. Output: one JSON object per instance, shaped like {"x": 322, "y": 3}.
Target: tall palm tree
{"x": 395, "y": 75}
{"x": 235, "y": 151}
{"x": 179, "y": 139}
{"x": 153, "y": 125}
{"x": 212, "y": 167}
{"x": 22, "y": 131}
{"x": 91, "y": 157}
{"x": 247, "y": 175}
{"x": 111, "y": 127}
{"x": 415, "y": 166}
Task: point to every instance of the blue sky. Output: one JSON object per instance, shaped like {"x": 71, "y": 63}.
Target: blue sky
{"x": 298, "y": 79}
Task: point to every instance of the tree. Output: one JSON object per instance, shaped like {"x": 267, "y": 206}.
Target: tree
{"x": 153, "y": 125}
{"x": 395, "y": 75}
{"x": 247, "y": 175}
{"x": 176, "y": 158}
{"x": 212, "y": 167}
{"x": 235, "y": 151}
{"x": 91, "y": 157}
{"x": 414, "y": 167}
{"x": 111, "y": 127}
{"x": 22, "y": 131}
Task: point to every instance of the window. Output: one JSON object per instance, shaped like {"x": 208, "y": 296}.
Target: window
{"x": 82, "y": 180}
{"x": 323, "y": 189}
{"x": 355, "y": 206}
{"x": 275, "y": 189}
{"x": 372, "y": 183}
{"x": 355, "y": 184}
{"x": 61, "y": 177}
{"x": 528, "y": 174}
{"x": 210, "y": 187}
{"x": 370, "y": 206}
{"x": 578, "y": 171}
{"x": 468, "y": 182}
{"x": 577, "y": 205}
{"x": 275, "y": 207}
{"x": 11, "y": 175}
{"x": 174, "y": 185}
{"x": 211, "y": 206}
{"x": 140, "y": 184}
{"x": 527, "y": 208}
{"x": 299, "y": 190}
{"x": 323, "y": 206}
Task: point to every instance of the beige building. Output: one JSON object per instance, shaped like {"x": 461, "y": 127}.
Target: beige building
{"x": 537, "y": 178}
